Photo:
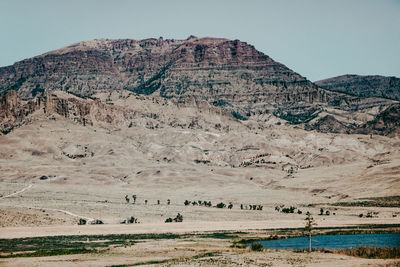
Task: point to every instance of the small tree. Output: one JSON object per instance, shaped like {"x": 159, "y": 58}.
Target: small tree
{"x": 310, "y": 223}
{"x": 321, "y": 211}
{"x": 230, "y": 206}
{"x": 187, "y": 202}
{"x": 221, "y": 205}
{"x": 127, "y": 199}
{"x": 145, "y": 201}
{"x": 168, "y": 201}
{"x": 134, "y": 199}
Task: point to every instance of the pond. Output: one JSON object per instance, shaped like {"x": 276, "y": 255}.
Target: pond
{"x": 336, "y": 241}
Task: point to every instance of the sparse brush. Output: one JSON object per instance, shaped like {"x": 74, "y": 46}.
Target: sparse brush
{"x": 256, "y": 246}
{"x": 372, "y": 252}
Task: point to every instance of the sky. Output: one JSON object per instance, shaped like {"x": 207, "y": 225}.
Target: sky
{"x": 316, "y": 38}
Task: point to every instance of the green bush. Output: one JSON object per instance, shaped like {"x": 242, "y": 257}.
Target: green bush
{"x": 256, "y": 246}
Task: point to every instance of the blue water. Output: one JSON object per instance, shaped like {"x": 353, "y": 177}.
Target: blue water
{"x": 335, "y": 241}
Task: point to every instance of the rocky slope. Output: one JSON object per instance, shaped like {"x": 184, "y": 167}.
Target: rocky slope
{"x": 226, "y": 73}
{"x": 385, "y": 123}
{"x": 364, "y": 86}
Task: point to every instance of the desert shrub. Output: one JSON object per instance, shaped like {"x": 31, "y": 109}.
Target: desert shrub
{"x": 256, "y": 246}
{"x": 230, "y": 206}
{"x": 97, "y": 221}
{"x": 187, "y": 202}
{"x": 288, "y": 210}
{"x": 299, "y": 212}
{"x": 178, "y": 218}
{"x": 220, "y": 205}
{"x": 132, "y": 220}
{"x": 82, "y": 221}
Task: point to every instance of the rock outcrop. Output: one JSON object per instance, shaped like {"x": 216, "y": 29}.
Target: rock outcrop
{"x": 385, "y": 123}
{"x": 364, "y": 86}
{"x": 15, "y": 112}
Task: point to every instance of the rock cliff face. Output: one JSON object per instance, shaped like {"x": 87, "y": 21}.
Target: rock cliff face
{"x": 14, "y": 112}
{"x": 226, "y": 73}
{"x": 364, "y": 86}
{"x": 229, "y": 74}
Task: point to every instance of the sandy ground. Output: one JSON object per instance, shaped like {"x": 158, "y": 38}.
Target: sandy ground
{"x": 180, "y": 228}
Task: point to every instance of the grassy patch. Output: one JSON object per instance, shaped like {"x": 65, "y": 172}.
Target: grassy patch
{"x": 372, "y": 252}
{"x": 61, "y": 245}
{"x": 218, "y": 235}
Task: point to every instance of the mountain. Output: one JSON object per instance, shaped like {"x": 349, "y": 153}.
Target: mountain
{"x": 364, "y": 86}
{"x": 229, "y": 74}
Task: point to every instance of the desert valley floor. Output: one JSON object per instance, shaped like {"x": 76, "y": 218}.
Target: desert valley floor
{"x": 54, "y": 171}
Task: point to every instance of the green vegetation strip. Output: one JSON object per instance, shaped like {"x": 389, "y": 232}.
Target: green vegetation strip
{"x": 372, "y": 252}
{"x": 63, "y": 245}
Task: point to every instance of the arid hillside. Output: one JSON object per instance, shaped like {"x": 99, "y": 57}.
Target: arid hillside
{"x": 78, "y": 157}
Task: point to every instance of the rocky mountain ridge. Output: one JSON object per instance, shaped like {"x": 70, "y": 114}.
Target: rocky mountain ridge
{"x": 123, "y": 109}
{"x": 364, "y": 86}
{"x": 229, "y": 74}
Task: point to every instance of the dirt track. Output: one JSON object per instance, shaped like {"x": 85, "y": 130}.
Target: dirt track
{"x": 184, "y": 227}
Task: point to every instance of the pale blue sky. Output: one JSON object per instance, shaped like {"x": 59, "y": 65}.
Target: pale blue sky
{"x": 316, "y": 38}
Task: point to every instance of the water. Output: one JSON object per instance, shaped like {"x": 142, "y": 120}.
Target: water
{"x": 336, "y": 241}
